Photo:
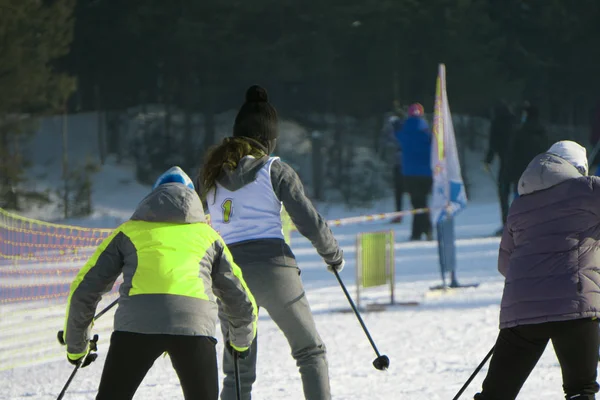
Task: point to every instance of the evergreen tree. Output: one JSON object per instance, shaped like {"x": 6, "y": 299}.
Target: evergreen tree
{"x": 34, "y": 35}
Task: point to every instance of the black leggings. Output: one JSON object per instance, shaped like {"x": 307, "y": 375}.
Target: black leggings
{"x": 518, "y": 350}
{"x": 131, "y": 355}
{"x": 419, "y": 187}
{"x": 398, "y": 186}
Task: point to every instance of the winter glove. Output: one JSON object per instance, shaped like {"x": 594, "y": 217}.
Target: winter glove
{"x": 76, "y": 358}
{"x": 242, "y": 352}
{"x": 338, "y": 267}
{"x": 86, "y": 358}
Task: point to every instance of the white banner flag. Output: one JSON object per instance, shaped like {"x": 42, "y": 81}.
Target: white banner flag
{"x": 449, "y": 196}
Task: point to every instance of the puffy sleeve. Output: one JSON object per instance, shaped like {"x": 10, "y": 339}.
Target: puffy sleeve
{"x": 507, "y": 246}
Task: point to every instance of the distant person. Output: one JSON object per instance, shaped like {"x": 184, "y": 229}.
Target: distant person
{"x": 523, "y": 111}
{"x": 415, "y": 140}
{"x": 530, "y": 139}
{"x": 501, "y": 137}
{"x": 394, "y": 125}
{"x": 549, "y": 255}
{"x": 174, "y": 267}
{"x": 245, "y": 188}
{"x": 595, "y": 136}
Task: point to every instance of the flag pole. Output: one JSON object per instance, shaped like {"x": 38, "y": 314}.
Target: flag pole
{"x": 449, "y": 196}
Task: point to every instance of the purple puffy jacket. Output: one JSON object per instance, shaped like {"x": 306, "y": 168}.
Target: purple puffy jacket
{"x": 550, "y": 249}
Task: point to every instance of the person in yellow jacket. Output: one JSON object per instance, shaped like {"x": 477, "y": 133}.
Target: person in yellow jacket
{"x": 174, "y": 267}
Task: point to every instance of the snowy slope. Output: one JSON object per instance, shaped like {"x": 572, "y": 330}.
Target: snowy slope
{"x": 433, "y": 347}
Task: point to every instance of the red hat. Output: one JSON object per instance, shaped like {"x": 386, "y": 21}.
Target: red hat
{"x": 416, "y": 110}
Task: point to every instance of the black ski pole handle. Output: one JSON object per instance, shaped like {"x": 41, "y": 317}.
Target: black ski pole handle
{"x": 94, "y": 343}
{"x": 60, "y": 336}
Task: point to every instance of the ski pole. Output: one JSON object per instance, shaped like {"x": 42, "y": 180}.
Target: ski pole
{"x": 90, "y": 357}
{"x": 66, "y": 386}
{"x": 60, "y": 335}
{"x": 87, "y": 360}
{"x": 106, "y": 309}
{"x": 491, "y": 175}
{"x": 382, "y": 362}
{"x": 481, "y": 364}
{"x": 236, "y": 369}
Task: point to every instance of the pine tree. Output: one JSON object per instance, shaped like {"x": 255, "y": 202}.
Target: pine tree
{"x": 34, "y": 35}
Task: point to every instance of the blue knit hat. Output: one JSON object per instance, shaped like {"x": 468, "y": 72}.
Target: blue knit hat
{"x": 176, "y": 175}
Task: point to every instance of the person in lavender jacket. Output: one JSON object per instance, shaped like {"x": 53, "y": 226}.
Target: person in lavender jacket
{"x": 550, "y": 258}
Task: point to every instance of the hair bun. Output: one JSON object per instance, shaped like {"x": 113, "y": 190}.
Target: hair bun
{"x": 256, "y": 94}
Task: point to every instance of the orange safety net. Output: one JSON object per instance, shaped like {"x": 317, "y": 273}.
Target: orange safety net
{"x": 38, "y": 260}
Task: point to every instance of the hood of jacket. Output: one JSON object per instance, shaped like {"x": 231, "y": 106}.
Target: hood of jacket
{"x": 243, "y": 174}
{"x": 170, "y": 202}
{"x": 545, "y": 171}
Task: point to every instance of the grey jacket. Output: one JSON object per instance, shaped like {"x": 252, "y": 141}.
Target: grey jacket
{"x": 288, "y": 188}
{"x": 174, "y": 267}
{"x": 550, "y": 248}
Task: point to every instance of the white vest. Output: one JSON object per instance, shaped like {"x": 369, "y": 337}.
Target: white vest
{"x": 252, "y": 212}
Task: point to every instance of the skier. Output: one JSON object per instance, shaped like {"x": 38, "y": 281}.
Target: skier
{"x": 530, "y": 140}
{"x": 244, "y": 189}
{"x": 594, "y": 136}
{"x": 549, "y": 255}
{"x": 173, "y": 266}
{"x": 394, "y": 124}
{"x": 502, "y": 132}
{"x": 415, "y": 141}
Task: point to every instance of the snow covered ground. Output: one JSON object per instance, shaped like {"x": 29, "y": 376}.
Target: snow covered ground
{"x": 433, "y": 347}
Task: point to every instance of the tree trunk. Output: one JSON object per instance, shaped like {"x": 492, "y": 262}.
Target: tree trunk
{"x": 188, "y": 152}
{"x": 7, "y": 193}
{"x": 339, "y": 146}
{"x": 100, "y": 127}
{"x": 210, "y": 130}
{"x": 188, "y": 140}
{"x": 65, "y": 166}
{"x": 113, "y": 134}
{"x": 317, "y": 164}
{"x": 168, "y": 122}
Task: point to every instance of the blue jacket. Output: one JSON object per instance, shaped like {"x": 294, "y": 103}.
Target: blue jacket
{"x": 415, "y": 140}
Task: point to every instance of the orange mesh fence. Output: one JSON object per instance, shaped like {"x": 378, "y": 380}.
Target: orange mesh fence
{"x": 38, "y": 261}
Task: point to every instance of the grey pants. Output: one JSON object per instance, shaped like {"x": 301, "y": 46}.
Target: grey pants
{"x": 279, "y": 290}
